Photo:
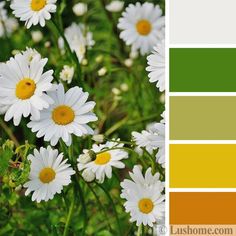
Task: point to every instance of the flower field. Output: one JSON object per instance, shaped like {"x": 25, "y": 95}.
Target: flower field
{"x": 82, "y": 117}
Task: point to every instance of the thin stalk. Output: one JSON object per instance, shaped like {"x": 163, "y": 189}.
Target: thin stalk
{"x": 115, "y": 148}
{"x": 112, "y": 204}
{"x": 9, "y": 132}
{"x": 140, "y": 230}
{"x": 69, "y": 216}
{"x": 81, "y": 196}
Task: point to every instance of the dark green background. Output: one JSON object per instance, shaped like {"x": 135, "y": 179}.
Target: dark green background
{"x": 203, "y": 69}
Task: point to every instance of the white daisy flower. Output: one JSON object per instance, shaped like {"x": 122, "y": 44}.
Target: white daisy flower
{"x": 104, "y": 160}
{"x": 69, "y": 115}
{"x": 33, "y": 12}
{"x": 138, "y": 178}
{"x": 48, "y": 174}
{"x": 152, "y": 139}
{"x": 144, "y": 198}
{"x": 23, "y": 85}
{"x": 79, "y": 38}
{"x": 115, "y": 6}
{"x": 156, "y": 62}
{"x": 142, "y": 26}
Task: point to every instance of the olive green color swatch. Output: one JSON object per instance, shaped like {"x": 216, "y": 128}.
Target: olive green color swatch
{"x": 202, "y": 118}
{"x": 203, "y": 69}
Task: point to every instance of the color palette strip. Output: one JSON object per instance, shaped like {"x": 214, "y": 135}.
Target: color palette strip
{"x": 202, "y": 166}
{"x": 202, "y": 21}
{"x": 202, "y": 118}
{"x": 202, "y": 70}
{"x": 199, "y": 208}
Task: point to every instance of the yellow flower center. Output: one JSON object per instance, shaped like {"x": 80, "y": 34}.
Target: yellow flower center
{"x": 144, "y": 27}
{"x": 37, "y": 5}
{"x": 145, "y": 205}
{"x": 63, "y": 115}
{"x": 47, "y": 175}
{"x": 25, "y": 88}
{"x": 102, "y": 158}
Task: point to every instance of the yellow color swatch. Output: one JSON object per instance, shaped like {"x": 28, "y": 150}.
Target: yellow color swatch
{"x": 203, "y": 166}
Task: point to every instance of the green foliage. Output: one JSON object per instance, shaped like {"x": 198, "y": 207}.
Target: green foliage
{"x": 140, "y": 105}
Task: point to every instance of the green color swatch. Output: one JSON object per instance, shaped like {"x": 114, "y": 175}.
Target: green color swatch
{"x": 202, "y": 118}
{"x": 203, "y": 69}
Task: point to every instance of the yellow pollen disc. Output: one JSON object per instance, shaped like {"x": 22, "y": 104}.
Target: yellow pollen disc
{"x": 144, "y": 27}
{"x": 63, "y": 115}
{"x": 102, "y": 158}
{"x": 25, "y": 88}
{"x": 37, "y": 5}
{"x": 47, "y": 175}
{"x": 145, "y": 205}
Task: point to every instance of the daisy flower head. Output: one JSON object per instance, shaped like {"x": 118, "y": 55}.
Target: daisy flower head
{"x": 79, "y": 39}
{"x": 48, "y": 174}
{"x": 23, "y": 85}
{"x": 144, "y": 198}
{"x": 104, "y": 159}
{"x": 33, "y": 12}
{"x": 156, "y": 66}
{"x": 151, "y": 139}
{"x": 142, "y": 26}
{"x": 69, "y": 114}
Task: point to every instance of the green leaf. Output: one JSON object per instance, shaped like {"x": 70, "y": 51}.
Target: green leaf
{"x": 5, "y": 155}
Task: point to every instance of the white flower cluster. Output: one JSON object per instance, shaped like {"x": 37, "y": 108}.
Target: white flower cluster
{"x": 153, "y": 138}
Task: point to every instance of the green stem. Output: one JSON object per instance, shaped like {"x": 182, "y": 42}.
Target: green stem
{"x": 139, "y": 230}
{"x": 113, "y": 206}
{"x": 9, "y": 132}
{"x": 69, "y": 216}
{"x": 115, "y": 148}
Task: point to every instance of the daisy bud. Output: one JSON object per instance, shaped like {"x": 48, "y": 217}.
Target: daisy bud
{"x": 99, "y": 138}
{"x": 124, "y": 87}
{"x": 162, "y": 98}
{"x": 88, "y": 175}
{"x": 67, "y": 74}
{"x": 102, "y": 71}
{"x": 128, "y": 62}
{"x": 115, "y": 6}
{"x": 80, "y": 9}
{"x": 18, "y": 188}
{"x": 47, "y": 44}
{"x": 116, "y": 91}
{"x": 84, "y": 62}
{"x": 85, "y": 158}
{"x": 99, "y": 58}
{"x": 37, "y": 36}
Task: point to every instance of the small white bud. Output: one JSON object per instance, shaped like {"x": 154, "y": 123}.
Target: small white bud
{"x": 128, "y": 62}
{"x": 124, "y": 87}
{"x": 162, "y": 98}
{"x": 80, "y": 9}
{"x": 85, "y": 158}
{"x": 99, "y": 58}
{"x": 84, "y": 62}
{"x": 102, "y": 71}
{"x": 116, "y": 91}
{"x": 47, "y": 44}
{"x": 88, "y": 175}
{"x": 37, "y": 36}
{"x": 115, "y": 6}
{"x": 99, "y": 138}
